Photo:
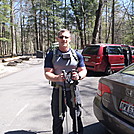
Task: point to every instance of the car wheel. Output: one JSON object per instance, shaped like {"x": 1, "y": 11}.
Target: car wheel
{"x": 108, "y": 70}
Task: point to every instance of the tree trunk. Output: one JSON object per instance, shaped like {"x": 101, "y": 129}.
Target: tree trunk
{"x": 12, "y": 30}
{"x": 65, "y": 19}
{"x": 113, "y": 22}
{"x": 53, "y": 22}
{"x": 48, "y": 36}
{"x": 3, "y": 42}
{"x": 0, "y": 40}
{"x": 35, "y": 25}
{"x": 21, "y": 34}
{"x": 108, "y": 34}
{"x": 84, "y": 21}
{"x": 96, "y": 27}
{"x": 78, "y": 23}
{"x": 40, "y": 29}
{"x": 16, "y": 38}
{"x": 106, "y": 31}
{"x": 21, "y": 27}
{"x": 100, "y": 33}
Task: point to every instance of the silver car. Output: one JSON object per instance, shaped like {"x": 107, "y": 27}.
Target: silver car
{"x": 114, "y": 101}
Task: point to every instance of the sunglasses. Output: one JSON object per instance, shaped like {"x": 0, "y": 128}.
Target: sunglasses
{"x": 61, "y": 37}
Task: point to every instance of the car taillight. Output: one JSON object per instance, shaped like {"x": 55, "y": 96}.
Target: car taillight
{"x": 98, "y": 59}
{"x": 102, "y": 88}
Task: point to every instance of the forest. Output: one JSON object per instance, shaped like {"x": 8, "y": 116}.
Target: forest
{"x": 28, "y": 26}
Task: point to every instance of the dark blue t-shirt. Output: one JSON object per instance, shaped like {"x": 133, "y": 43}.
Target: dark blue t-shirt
{"x": 48, "y": 60}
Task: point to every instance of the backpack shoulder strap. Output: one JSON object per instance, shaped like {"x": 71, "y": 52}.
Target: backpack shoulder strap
{"x": 55, "y": 54}
{"x": 74, "y": 54}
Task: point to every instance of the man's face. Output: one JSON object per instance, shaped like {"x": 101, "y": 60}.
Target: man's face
{"x": 64, "y": 39}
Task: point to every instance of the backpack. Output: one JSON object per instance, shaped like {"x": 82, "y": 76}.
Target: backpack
{"x": 54, "y": 47}
{"x": 55, "y": 54}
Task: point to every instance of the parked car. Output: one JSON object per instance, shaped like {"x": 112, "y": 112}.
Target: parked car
{"x": 114, "y": 101}
{"x": 132, "y": 52}
{"x": 106, "y": 58}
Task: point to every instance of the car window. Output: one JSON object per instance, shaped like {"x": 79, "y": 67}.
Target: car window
{"x": 92, "y": 50}
{"x": 132, "y": 49}
{"x": 132, "y": 52}
{"x": 129, "y": 70}
{"x": 114, "y": 50}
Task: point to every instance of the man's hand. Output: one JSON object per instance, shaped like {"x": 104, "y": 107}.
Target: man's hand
{"x": 61, "y": 77}
{"x": 53, "y": 77}
{"x": 75, "y": 75}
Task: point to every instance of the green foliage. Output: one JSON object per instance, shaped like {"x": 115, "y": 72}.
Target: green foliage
{"x": 4, "y": 11}
{"x": 41, "y": 19}
{"x": 4, "y": 39}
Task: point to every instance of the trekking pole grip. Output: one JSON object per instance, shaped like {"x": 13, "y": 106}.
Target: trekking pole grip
{"x": 64, "y": 74}
{"x": 75, "y": 81}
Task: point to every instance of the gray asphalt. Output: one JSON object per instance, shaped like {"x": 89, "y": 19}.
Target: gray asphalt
{"x": 25, "y": 99}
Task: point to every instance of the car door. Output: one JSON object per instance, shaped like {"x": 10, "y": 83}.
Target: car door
{"x": 115, "y": 57}
{"x": 132, "y": 51}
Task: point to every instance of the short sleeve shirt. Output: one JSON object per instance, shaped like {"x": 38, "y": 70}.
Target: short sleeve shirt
{"x": 49, "y": 64}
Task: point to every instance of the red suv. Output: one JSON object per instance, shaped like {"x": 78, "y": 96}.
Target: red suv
{"x": 132, "y": 52}
{"x": 104, "y": 57}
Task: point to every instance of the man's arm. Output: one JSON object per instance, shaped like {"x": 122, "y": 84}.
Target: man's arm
{"x": 51, "y": 76}
{"x": 82, "y": 72}
{"x": 48, "y": 69}
{"x": 79, "y": 74}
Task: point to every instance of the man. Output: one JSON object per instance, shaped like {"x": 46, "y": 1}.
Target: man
{"x": 53, "y": 68}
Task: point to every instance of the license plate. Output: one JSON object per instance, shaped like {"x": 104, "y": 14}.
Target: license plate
{"x": 127, "y": 108}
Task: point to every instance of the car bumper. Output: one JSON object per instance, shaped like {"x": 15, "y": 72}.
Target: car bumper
{"x": 112, "y": 122}
{"x": 96, "y": 67}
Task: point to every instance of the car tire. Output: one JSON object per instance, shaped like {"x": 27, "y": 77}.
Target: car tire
{"x": 108, "y": 70}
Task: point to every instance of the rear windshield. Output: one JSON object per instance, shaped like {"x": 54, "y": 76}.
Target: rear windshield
{"x": 91, "y": 50}
{"x": 115, "y": 50}
{"x": 129, "y": 70}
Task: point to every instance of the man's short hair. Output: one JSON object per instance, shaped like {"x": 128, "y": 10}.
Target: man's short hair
{"x": 63, "y": 30}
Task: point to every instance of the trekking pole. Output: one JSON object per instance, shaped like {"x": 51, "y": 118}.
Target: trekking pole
{"x": 75, "y": 103}
{"x": 77, "y": 107}
{"x": 64, "y": 91}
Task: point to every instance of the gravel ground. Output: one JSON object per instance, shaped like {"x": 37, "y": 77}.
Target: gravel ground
{"x": 6, "y": 70}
